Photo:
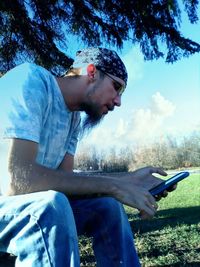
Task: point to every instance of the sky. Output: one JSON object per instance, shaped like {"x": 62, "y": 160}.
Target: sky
{"x": 160, "y": 100}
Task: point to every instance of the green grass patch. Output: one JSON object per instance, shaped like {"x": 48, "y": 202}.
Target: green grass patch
{"x": 172, "y": 237}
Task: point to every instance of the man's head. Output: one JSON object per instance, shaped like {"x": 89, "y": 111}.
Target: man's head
{"x": 107, "y": 78}
{"x": 104, "y": 59}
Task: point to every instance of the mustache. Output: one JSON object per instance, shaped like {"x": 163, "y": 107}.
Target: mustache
{"x": 111, "y": 108}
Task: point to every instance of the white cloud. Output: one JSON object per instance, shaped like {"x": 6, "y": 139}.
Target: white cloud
{"x": 147, "y": 123}
{"x": 161, "y": 105}
{"x": 120, "y": 129}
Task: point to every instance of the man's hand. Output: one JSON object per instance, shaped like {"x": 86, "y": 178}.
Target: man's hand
{"x": 150, "y": 181}
{"x": 144, "y": 177}
{"x": 134, "y": 190}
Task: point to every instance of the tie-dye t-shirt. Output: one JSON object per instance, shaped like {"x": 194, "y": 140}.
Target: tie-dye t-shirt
{"x": 32, "y": 108}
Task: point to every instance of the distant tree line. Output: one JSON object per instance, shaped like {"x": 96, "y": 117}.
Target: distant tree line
{"x": 168, "y": 153}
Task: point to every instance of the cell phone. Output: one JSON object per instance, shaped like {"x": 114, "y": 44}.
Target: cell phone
{"x": 159, "y": 189}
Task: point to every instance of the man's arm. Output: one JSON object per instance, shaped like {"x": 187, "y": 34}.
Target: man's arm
{"x": 27, "y": 176}
{"x": 67, "y": 164}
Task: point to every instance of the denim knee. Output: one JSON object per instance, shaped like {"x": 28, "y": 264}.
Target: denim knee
{"x": 39, "y": 227}
{"x": 110, "y": 205}
{"x": 53, "y": 206}
{"x": 56, "y": 200}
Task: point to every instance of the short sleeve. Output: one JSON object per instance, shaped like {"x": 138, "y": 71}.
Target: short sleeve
{"x": 24, "y": 97}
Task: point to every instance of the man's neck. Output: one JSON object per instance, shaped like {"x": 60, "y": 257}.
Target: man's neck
{"x": 73, "y": 91}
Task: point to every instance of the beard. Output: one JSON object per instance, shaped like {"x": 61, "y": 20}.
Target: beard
{"x": 93, "y": 114}
{"x": 92, "y": 118}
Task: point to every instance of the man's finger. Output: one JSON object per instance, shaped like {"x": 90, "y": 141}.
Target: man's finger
{"x": 157, "y": 197}
{"x": 159, "y": 171}
{"x": 152, "y": 201}
{"x": 150, "y": 205}
{"x": 145, "y": 214}
{"x": 172, "y": 188}
{"x": 165, "y": 193}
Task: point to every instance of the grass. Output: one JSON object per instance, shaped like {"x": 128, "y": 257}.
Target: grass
{"x": 172, "y": 237}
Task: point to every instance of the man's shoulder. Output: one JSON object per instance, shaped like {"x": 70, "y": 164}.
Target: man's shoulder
{"x": 26, "y": 76}
{"x": 33, "y": 68}
{"x": 26, "y": 68}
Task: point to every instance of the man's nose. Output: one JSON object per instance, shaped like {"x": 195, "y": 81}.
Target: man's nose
{"x": 117, "y": 101}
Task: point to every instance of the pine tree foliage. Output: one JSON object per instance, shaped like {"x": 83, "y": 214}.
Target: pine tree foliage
{"x": 39, "y": 30}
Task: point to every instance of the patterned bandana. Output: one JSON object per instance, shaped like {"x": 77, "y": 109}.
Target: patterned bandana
{"x": 104, "y": 59}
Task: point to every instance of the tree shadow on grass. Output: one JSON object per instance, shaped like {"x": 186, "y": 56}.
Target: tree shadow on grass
{"x": 163, "y": 218}
{"x": 193, "y": 264}
{"x": 172, "y": 218}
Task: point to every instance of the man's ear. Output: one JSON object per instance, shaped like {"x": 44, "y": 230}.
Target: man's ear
{"x": 91, "y": 70}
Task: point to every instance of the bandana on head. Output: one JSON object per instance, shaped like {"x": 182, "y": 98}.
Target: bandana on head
{"x": 104, "y": 59}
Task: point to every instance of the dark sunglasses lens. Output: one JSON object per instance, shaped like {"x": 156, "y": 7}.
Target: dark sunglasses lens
{"x": 119, "y": 88}
{"x": 117, "y": 85}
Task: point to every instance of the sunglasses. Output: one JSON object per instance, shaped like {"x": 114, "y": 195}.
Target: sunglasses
{"x": 117, "y": 85}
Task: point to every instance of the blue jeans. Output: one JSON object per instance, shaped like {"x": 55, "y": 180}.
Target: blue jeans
{"x": 42, "y": 230}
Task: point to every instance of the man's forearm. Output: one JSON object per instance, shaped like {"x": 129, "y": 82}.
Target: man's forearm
{"x": 125, "y": 189}
{"x": 36, "y": 178}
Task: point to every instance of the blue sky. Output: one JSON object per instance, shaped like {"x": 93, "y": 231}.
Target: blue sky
{"x": 161, "y": 100}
